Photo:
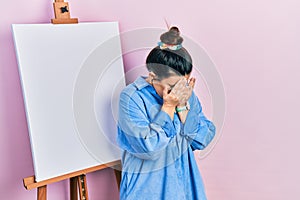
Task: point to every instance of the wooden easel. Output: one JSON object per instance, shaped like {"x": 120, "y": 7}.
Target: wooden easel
{"x": 78, "y": 183}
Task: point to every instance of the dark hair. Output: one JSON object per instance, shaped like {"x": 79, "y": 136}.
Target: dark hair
{"x": 165, "y": 62}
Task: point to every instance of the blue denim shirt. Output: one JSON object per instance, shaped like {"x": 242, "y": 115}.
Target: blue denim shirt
{"x": 157, "y": 159}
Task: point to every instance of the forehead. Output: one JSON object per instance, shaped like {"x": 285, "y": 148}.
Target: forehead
{"x": 173, "y": 79}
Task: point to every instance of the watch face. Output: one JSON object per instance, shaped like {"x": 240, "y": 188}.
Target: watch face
{"x": 187, "y": 105}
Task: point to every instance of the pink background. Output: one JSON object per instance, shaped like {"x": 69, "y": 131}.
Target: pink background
{"x": 255, "y": 46}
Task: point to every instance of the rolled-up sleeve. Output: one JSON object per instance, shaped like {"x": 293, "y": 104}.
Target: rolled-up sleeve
{"x": 137, "y": 134}
{"x": 197, "y": 128}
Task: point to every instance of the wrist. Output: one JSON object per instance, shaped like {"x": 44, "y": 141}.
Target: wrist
{"x": 167, "y": 107}
{"x": 183, "y": 107}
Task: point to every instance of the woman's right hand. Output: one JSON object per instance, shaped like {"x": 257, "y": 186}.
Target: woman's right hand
{"x": 170, "y": 98}
{"x": 170, "y": 102}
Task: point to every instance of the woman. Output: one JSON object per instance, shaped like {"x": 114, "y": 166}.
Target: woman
{"x": 160, "y": 124}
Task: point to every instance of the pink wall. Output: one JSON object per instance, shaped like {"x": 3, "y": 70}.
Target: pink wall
{"x": 256, "y": 49}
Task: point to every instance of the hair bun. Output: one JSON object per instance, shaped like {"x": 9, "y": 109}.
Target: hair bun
{"x": 172, "y": 36}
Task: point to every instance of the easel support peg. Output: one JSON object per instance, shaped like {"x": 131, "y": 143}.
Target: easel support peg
{"x": 62, "y": 13}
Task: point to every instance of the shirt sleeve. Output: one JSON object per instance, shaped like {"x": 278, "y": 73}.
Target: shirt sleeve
{"x": 137, "y": 134}
{"x": 197, "y": 128}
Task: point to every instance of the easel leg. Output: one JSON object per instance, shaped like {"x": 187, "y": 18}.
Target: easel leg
{"x": 42, "y": 193}
{"x": 118, "y": 173}
{"x": 82, "y": 184}
{"x": 73, "y": 188}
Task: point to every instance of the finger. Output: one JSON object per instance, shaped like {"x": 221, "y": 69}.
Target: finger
{"x": 180, "y": 85}
{"x": 183, "y": 91}
{"x": 192, "y": 82}
{"x": 177, "y": 89}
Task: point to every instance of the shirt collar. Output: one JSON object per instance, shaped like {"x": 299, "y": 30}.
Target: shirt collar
{"x": 140, "y": 82}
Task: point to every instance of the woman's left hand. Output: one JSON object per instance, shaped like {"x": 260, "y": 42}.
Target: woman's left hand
{"x": 183, "y": 90}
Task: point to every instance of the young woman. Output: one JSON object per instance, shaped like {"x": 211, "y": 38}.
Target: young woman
{"x": 160, "y": 124}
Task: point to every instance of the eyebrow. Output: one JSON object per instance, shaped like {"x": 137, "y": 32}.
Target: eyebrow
{"x": 173, "y": 84}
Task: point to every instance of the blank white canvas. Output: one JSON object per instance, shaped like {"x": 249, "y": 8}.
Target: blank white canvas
{"x": 71, "y": 77}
